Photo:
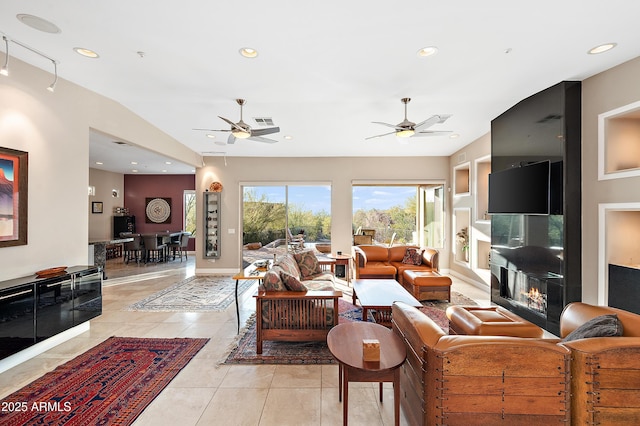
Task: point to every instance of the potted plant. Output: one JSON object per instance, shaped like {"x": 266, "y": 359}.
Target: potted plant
{"x": 463, "y": 240}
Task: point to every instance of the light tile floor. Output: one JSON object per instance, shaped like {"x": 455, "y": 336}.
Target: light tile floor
{"x": 207, "y": 392}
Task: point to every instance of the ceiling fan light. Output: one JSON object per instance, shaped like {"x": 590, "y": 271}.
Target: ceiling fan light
{"x": 240, "y": 134}
{"x": 427, "y": 51}
{"x": 406, "y": 133}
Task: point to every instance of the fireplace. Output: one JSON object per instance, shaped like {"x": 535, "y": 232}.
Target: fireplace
{"x": 526, "y": 280}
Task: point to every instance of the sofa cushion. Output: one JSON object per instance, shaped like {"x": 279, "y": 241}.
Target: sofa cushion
{"x": 272, "y": 280}
{"x": 397, "y": 253}
{"x": 289, "y": 265}
{"x": 412, "y": 256}
{"x": 375, "y": 253}
{"x": 307, "y": 263}
{"x": 601, "y": 326}
{"x": 292, "y": 283}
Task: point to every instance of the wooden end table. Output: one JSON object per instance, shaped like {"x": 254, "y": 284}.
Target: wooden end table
{"x": 250, "y": 273}
{"x": 345, "y": 344}
{"x": 344, "y": 260}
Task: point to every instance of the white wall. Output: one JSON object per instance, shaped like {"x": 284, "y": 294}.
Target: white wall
{"x": 602, "y": 93}
{"x": 339, "y": 172}
{"x": 54, "y": 129}
{"x": 101, "y": 225}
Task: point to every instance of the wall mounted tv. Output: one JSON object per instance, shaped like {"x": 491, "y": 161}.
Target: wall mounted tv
{"x": 527, "y": 189}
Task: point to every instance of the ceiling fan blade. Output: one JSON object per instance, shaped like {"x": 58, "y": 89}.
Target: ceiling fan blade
{"x": 234, "y": 125}
{"x": 268, "y": 131}
{"x": 261, "y": 139}
{"x": 395, "y": 126}
{"x": 231, "y": 139}
{"x": 379, "y": 136}
{"x": 213, "y": 130}
{"x": 434, "y": 119}
{"x": 431, "y": 133}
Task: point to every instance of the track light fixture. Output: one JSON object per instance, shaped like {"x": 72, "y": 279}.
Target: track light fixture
{"x": 5, "y": 68}
{"x": 52, "y": 86}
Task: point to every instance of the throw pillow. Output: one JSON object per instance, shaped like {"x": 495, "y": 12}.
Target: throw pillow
{"x": 292, "y": 283}
{"x": 307, "y": 263}
{"x": 272, "y": 281}
{"x": 412, "y": 256}
{"x": 602, "y": 326}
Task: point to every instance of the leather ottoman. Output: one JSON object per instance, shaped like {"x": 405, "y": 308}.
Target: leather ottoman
{"x": 427, "y": 285}
{"x": 489, "y": 321}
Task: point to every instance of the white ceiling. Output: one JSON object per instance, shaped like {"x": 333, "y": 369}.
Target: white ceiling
{"x": 325, "y": 70}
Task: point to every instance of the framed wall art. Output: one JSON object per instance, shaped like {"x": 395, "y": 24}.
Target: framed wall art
{"x": 97, "y": 207}
{"x": 158, "y": 210}
{"x": 14, "y": 174}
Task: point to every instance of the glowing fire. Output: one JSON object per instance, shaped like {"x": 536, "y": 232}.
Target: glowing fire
{"x": 536, "y": 299}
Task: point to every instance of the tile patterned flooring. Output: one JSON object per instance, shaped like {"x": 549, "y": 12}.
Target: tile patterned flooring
{"x": 207, "y": 392}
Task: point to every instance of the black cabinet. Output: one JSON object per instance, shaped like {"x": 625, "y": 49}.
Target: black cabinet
{"x": 17, "y": 307}
{"x": 123, "y": 224}
{"x": 34, "y": 309}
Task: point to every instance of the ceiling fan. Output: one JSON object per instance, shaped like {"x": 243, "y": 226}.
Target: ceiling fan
{"x": 242, "y": 130}
{"x": 408, "y": 129}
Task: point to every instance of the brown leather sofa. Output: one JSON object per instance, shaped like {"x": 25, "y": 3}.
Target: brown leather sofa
{"x": 373, "y": 261}
{"x": 605, "y": 384}
{"x": 455, "y": 379}
{"x": 479, "y": 380}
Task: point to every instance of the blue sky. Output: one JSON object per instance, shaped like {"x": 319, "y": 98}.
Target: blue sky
{"x": 318, "y": 198}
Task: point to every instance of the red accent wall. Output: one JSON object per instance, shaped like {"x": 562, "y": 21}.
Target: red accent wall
{"x": 139, "y": 187}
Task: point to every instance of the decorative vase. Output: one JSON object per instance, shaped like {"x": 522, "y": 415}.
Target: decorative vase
{"x": 466, "y": 255}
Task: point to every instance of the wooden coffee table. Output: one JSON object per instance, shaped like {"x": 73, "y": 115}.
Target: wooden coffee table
{"x": 345, "y": 344}
{"x": 379, "y": 295}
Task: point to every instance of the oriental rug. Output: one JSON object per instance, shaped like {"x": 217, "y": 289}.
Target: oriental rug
{"x": 307, "y": 352}
{"x": 111, "y": 383}
{"x": 197, "y": 293}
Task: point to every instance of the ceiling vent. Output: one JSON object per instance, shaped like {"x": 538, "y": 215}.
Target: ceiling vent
{"x": 264, "y": 121}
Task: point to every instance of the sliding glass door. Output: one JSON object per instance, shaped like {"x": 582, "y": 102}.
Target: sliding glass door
{"x": 399, "y": 214}
{"x": 281, "y": 218}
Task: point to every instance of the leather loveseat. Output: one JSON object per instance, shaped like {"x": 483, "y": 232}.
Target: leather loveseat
{"x": 456, "y": 379}
{"x": 373, "y": 261}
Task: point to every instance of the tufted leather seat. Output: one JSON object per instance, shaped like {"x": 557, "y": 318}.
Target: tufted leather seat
{"x": 489, "y": 321}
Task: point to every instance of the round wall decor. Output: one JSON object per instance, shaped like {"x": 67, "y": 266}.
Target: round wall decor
{"x": 158, "y": 210}
{"x": 215, "y": 187}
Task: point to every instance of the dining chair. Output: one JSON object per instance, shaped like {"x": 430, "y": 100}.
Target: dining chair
{"x": 180, "y": 246}
{"x": 133, "y": 248}
{"x": 153, "y": 246}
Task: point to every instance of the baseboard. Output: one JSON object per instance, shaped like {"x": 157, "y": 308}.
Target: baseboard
{"x": 480, "y": 284}
{"x": 35, "y": 350}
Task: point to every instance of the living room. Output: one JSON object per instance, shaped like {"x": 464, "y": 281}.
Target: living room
{"x": 54, "y": 131}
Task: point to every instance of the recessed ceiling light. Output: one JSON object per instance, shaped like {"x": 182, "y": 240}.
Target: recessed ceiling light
{"x": 211, "y": 136}
{"x": 134, "y": 162}
{"x": 99, "y": 163}
{"x": 288, "y": 137}
{"x": 86, "y": 52}
{"x": 167, "y": 162}
{"x": 427, "y": 51}
{"x": 601, "y": 48}
{"x": 38, "y": 23}
{"x": 248, "y": 52}
{"x": 134, "y": 171}
{"x": 164, "y": 171}
{"x": 454, "y": 136}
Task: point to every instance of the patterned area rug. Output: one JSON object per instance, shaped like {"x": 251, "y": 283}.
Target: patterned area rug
{"x": 308, "y": 352}
{"x": 111, "y": 383}
{"x": 198, "y": 293}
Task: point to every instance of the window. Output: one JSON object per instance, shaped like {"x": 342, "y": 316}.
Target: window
{"x": 410, "y": 213}
{"x": 189, "y": 212}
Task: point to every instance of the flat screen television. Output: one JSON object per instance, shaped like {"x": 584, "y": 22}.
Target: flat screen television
{"x": 521, "y": 190}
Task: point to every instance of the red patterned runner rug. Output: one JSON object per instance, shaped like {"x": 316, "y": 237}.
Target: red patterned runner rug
{"x": 111, "y": 383}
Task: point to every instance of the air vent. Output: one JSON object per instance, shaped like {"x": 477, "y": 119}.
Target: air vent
{"x": 462, "y": 157}
{"x": 550, "y": 117}
{"x": 264, "y": 121}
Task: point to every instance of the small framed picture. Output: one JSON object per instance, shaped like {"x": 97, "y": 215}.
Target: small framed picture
{"x": 96, "y": 207}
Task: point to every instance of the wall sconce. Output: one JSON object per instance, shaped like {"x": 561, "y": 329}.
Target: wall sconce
{"x": 115, "y": 193}
{"x": 92, "y": 191}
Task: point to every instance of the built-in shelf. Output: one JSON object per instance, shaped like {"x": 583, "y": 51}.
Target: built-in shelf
{"x": 483, "y": 251}
{"x": 482, "y": 170}
{"x": 461, "y": 175}
{"x": 619, "y": 142}
{"x": 462, "y": 220}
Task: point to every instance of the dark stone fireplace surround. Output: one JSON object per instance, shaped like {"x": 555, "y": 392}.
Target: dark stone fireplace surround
{"x": 545, "y": 126}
